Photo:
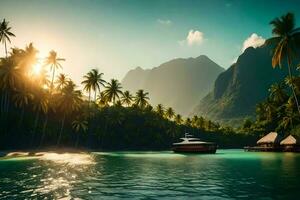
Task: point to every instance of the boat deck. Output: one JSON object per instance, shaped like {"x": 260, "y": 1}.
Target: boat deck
{"x": 272, "y": 149}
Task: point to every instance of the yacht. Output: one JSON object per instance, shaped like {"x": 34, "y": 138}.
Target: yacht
{"x": 190, "y": 144}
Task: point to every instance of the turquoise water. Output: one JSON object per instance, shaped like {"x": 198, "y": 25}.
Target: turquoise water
{"x": 229, "y": 174}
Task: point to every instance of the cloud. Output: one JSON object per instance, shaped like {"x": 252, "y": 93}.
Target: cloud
{"x": 253, "y": 40}
{"x": 166, "y": 22}
{"x": 193, "y": 38}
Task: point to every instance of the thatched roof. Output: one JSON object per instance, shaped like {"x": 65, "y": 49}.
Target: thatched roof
{"x": 289, "y": 140}
{"x": 269, "y": 138}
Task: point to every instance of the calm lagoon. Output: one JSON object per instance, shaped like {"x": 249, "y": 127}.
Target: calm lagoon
{"x": 228, "y": 174}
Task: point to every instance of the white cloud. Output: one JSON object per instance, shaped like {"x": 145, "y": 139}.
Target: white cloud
{"x": 193, "y": 38}
{"x": 166, "y": 22}
{"x": 253, "y": 41}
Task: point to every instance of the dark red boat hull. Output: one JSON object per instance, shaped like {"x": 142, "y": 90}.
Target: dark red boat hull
{"x": 211, "y": 148}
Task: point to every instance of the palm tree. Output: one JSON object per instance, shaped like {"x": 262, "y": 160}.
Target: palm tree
{"x": 79, "y": 125}
{"x": 178, "y": 119}
{"x": 141, "y": 98}
{"x": 92, "y": 81}
{"x": 5, "y": 34}
{"x": 286, "y": 36}
{"x": 21, "y": 99}
{"x": 188, "y": 121}
{"x": 160, "y": 110}
{"x": 96, "y": 81}
{"x": 9, "y": 79}
{"x": 127, "y": 98}
{"x": 28, "y": 59}
{"x": 62, "y": 81}
{"x": 113, "y": 91}
{"x": 54, "y": 62}
{"x": 194, "y": 121}
{"x": 277, "y": 93}
{"x": 47, "y": 95}
{"x": 102, "y": 100}
{"x": 170, "y": 113}
{"x": 68, "y": 101}
{"x": 40, "y": 105}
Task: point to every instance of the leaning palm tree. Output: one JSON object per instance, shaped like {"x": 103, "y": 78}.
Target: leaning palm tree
{"x": 54, "y": 62}
{"x": 79, "y": 125}
{"x": 113, "y": 91}
{"x": 178, "y": 119}
{"x": 5, "y": 34}
{"x": 170, "y": 113}
{"x": 127, "y": 98}
{"x": 68, "y": 101}
{"x": 160, "y": 110}
{"x": 141, "y": 98}
{"x": 62, "y": 81}
{"x": 286, "y": 41}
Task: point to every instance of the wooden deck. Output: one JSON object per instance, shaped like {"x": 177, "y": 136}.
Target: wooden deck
{"x": 273, "y": 149}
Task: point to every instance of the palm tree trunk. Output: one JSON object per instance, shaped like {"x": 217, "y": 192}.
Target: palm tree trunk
{"x": 89, "y": 119}
{"x": 35, "y": 126}
{"x": 52, "y": 86}
{"x": 77, "y": 140}
{"x": 292, "y": 82}
{"x": 5, "y": 48}
{"x": 22, "y": 117}
{"x": 7, "y": 102}
{"x": 2, "y": 102}
{"x": 44, "y": 129}
{"x": 61, "y": 129}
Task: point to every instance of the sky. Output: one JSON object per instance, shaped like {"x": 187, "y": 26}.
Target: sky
{"x": 118, "y": 35}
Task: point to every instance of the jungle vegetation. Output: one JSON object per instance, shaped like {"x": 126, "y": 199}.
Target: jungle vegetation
{"x": 46, "y": 108}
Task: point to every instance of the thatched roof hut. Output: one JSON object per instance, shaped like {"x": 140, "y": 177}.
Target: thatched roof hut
{"x": 289, "y": 140}
{"x": 271, "y": 138}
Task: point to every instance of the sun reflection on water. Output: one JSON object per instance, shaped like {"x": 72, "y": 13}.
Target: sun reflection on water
{"x": 64, "y": 171}
{"x": 69, "y": 158}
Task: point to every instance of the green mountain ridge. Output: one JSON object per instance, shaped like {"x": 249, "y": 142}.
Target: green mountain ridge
{"x": 238, "y": 89}
{"x": 179, "y": 83}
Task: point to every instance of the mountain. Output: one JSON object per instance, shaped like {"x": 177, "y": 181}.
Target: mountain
{"x": 237, "y": 90}
{"x": 179, "y": 83}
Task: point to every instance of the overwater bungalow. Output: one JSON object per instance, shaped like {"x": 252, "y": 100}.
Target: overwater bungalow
{"x": 270, "y": 142}
{"x": 290, "y": 144}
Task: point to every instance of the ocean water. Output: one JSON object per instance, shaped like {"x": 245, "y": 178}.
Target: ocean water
{"x": 228, "y": 174}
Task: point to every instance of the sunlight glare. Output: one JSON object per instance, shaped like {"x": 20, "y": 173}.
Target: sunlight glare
{"x": 37, "y": 68}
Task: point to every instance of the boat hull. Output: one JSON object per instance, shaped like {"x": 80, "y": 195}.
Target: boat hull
{"x": 211, "y": 148}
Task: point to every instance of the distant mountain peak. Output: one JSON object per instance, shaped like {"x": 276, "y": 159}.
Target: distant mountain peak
{"x": 238, "y": 89}
{"x": 179, "y": 83}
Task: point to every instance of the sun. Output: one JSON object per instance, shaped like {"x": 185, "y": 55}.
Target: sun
{"x": 37, "y": 68}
